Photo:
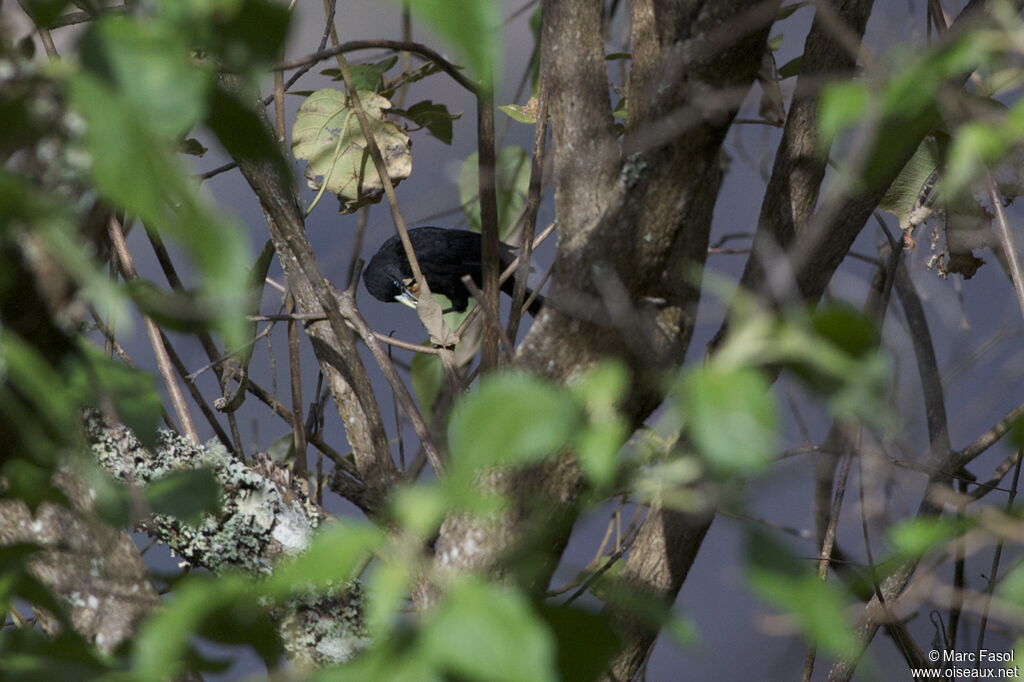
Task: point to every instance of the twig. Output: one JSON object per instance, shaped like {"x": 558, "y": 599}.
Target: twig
{"x": 996, "y": 557}
{"x": 506, "y": 273}
{"x": 988, "y": 438}
{"x": 428, "y": 309}
{"x": 217, "y": 171}
{"x": 396, "y": 45}
{"x": 153, "y": 331}
{"x": 44, "y": 35}
{"x": 295, "y": 373}
{"x": 1006, "y": 241}
{"x": 982, "y": 489}
{"x": 490, "y": 314}
{"x": 530, "y": 214}
{"x": 828, "y": 542}
{"x": 315, "y": 317}
{"x": 74, "y": 18}
{"x": 924, "y": 351}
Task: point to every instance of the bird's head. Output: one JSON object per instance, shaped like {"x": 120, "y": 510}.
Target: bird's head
{"x": 385, "y": 282}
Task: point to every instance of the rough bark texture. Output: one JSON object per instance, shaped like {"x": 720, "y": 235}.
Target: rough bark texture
{"x": 668, "y": 543}
{"x": 792, "y": 192}
{"x": 265, "y": 516}
{"x": 334, "y": 343}
{"x": 94, "y": 568}
{"x": 633, "y": 226}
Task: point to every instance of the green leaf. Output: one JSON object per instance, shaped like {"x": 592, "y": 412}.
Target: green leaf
{"x": 162, "y": 639}
{"x": 138, "y": 173}
{"x": 31, "y": 484}
{"x": 471, "y": 26}
{"x": 731, "y": 417}
{"x": 775, "y": 42}
{"x": 841, "y": 105}
{"x": 520, "y": 113}
{"x": 418, "y": 509}
{"x": 793, "y": 587}
{"x": 186, "y": 495}
{"x": 387, "y": 589}
{"x": 917, "y": 536}
{"x": 192, "y": 147}
{"x": 598, "y": 444}
{"x": 1011, "y": 586}
{"x": 512, "y": 419}
{"x": 597, "y": 447}
{"x": 787, "y": 10}
{"x": 44, "y": 12}
{"x": 847, "y": 328}
{"x": 132, "y": 391}
{"x": 478, "y": 617}
{"x": 177, "y": 310}
{"x": 586, "y": 642}
{"x": 792, "y": 67}
{"x": 329, "y": 560}
{"x": 150, "y": 64}
{"x": 908, "y": 189}
{"x": 621, "y": 109}
{"x": 239, "y": 128}
{"x": 327, "y": 135}
{"x": 974, "y": 146}
{"x": 512, "y": 170}
{"x": 367, "y": 77}
{"x": 221, "y": 609}
{"x": 29, "y": 655}
{"x": 246, "y": 36}
{"x": 434, "y": 117}
{"x": 427, "y": 376}
{"x": 614, "y": 56}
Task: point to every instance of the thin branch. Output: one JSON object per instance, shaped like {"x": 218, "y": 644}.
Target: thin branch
{"x": 491, "y": 316}
{"x": 506, "y": 273}
{"x": 488, "y": 190}
{"x": 828, "y": 542}
{"x": 530, "y": 214}
{"x": 397, "y": 45}
{"x": 1007, "y": 242}
{"x": 924, "y": 351}
{"x": 996, "y": 557}
{"x": 153, "y": 331}
{"x": 295, "y": 374}
{"x": 988, "y": 438}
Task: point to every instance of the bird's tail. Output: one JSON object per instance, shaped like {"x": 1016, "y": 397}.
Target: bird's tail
{"x": 538, "y": 302}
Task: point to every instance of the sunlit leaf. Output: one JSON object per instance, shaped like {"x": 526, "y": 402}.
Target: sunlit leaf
{"x": 512, "y": 418}
{"x": 480, "y": 617}
{"x": 917, "y": 536}
{"x": 471, "y": 26}
{"x": 138, "y": 173}
{"x": 335, "y": 551}
{"x": 328, "y": 136}
{"x": 840, "y": 106}
{"x": 731, "y": 417}
{"x": 150, "y": 64}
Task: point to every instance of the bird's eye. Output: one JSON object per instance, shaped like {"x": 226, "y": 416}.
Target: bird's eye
{"x": 396, "y": 284}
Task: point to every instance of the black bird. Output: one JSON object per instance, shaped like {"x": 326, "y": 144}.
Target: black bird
{"x": 445, "y": 256}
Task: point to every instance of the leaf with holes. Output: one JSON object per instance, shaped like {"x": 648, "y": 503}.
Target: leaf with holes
{"x": 328, "y": 136}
